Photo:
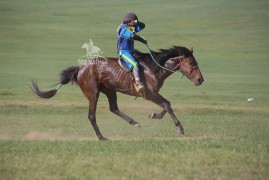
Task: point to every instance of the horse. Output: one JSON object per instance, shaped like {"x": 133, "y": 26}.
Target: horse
{"x": 109, "y": 78}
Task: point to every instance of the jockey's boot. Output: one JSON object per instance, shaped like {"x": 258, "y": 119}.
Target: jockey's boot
{"x": 138, "y": 84}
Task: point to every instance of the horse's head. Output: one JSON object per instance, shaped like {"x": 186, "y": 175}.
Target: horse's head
{"x": 170, "y": 60}
{"x": 189, "y": 67}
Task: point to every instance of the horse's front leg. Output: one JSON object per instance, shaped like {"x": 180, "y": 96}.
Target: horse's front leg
{"x": 154, "y": 115}
{"x": 165, "y": 104}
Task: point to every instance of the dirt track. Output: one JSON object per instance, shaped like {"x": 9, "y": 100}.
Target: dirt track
{"x": 144, "y": 105}
{"x": 37, "y": 136}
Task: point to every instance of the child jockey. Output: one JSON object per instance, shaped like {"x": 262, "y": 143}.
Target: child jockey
{"x": 126, "y": 34}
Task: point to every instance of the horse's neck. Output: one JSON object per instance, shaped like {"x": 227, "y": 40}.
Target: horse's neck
{"x": 161, "y": 75}
{"x": 170, "y": 64}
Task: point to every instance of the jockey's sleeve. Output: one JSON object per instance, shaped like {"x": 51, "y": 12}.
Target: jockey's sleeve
{"x": 126, "y": 33}
{"x": 139, "y": 26}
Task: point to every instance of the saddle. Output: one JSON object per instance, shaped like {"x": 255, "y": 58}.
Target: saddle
{"x": 123, "y": 65}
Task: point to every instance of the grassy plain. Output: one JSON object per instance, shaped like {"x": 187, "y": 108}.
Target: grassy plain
{"x": 226, "y": 136}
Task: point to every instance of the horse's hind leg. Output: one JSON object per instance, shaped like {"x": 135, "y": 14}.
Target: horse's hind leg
{"x": 91, "y": 91}
{"x": 93, "y": 98}
{"x": 112, "y": 98}
{"x": 92, "y": 115}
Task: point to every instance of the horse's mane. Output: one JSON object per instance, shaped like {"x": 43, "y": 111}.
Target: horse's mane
{"x": 161, "y": 56}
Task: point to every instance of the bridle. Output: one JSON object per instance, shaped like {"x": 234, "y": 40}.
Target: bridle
{"x": 185, "y": 69}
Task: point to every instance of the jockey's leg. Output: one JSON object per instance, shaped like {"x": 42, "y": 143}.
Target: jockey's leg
{"x": 132, "y": 64}
{"x": 128, "y": 59}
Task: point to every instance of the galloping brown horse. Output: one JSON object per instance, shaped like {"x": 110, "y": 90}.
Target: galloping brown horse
{"x": 110, "y": 78}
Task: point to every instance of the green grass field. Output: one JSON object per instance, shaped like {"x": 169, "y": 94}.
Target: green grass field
{"x": 226, "y": 136}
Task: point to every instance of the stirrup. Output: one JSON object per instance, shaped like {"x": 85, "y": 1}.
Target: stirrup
{"x": 139, "y": 87}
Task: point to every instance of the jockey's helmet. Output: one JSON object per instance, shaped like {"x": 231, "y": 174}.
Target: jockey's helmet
{"x": 130, "y": 17}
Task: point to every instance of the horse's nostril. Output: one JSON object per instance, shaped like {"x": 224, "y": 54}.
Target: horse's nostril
{"x": 200, "y": 80}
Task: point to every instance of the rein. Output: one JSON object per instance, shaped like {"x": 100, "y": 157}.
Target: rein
{"x": 180, "y": 73}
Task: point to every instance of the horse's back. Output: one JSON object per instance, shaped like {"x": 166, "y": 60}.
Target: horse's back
{"x": 105, "y": 71}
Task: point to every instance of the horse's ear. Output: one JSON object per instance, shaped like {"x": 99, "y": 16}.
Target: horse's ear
{"x": 191, "y": 50}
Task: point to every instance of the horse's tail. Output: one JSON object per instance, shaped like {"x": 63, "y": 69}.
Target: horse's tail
{"x": 67, "y": 75}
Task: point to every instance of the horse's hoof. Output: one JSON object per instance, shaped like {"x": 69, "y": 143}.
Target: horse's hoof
{"x": 137, "y": 125}
{"x": 153, "y": 115}
{"x": 180, "y": 130}
{"x": 103, "y": 139}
